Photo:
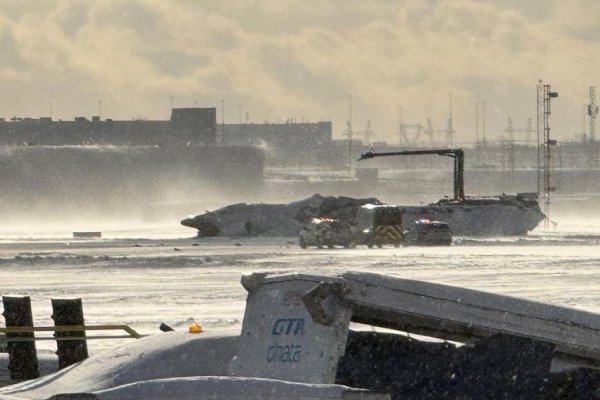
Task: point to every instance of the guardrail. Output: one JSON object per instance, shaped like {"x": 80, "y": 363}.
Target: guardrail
{"x": 131, "y": 333}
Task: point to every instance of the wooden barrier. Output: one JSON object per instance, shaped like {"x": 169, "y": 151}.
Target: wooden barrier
{"x": 69, "y": 333}
{"x": 22, "y": 355}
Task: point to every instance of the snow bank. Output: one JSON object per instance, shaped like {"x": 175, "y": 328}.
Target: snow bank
{"x": 226, "y": 388}
{"x": 47, "y": 364}
{"x": 165, "y": 355}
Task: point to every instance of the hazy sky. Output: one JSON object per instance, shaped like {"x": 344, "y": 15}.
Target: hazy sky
{"x": 280, "y": 59}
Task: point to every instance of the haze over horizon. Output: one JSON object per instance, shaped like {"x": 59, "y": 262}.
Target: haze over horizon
{"x": 278, "y": 59}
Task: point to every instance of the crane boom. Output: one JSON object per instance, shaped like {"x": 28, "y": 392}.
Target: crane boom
{"x": 457, "y": 154}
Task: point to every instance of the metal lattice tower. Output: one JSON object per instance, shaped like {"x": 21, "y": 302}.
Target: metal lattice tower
{"x": 592, "y": 112}
{"x": 429, "y": 131}
{"x": 368, "y": 133}
{"x": 450, "y": 130}
{"x": 483, "y": 127}
{"x": 402, "y": 139}
{"x": 348, "y": 133}
{"x": 415, "y": 130}
{"x": 583, "y": 120}
{"x": 529, "y": 131}
{"x": 477, "y": 124}
{"x": 511, "y": 144}
{"x": 548, "y": 144}
{"x": 510, "y": 139}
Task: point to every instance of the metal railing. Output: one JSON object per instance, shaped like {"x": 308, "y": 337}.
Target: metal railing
{"x": 131, "y": 333}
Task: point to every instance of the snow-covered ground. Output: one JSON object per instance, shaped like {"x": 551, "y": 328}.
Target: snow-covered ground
{"x": 148, "y": 274}
{"x": 143, "y": 282}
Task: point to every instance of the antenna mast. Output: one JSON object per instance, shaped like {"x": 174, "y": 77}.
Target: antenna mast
{"x": 548, "y": 143}
{"x": 539, "y": 127}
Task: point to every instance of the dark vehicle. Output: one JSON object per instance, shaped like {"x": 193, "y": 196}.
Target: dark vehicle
{"x": 383, "y": 225}
{"x": 426, "y": 232}
{"x": 328, "y": 232}
{"x": 312, "y": 234}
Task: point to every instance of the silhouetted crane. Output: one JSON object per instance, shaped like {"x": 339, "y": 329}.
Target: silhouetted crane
{"x": 459, "y": 164}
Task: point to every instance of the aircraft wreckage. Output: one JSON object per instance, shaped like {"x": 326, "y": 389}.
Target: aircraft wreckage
{"x": 467, "y": 216}
{"x": 273, "y": 219}
{"x": 500, "y": 216}
{"x": 297, "y": 342}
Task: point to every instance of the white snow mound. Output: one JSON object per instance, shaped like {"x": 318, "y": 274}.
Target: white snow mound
{"x": 165, "y": 355}
{"x": 229, "y": 388}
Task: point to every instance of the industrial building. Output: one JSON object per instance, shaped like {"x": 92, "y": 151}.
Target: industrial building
{"x": 194, "y": 126}
{"x": 123, "y": 167}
